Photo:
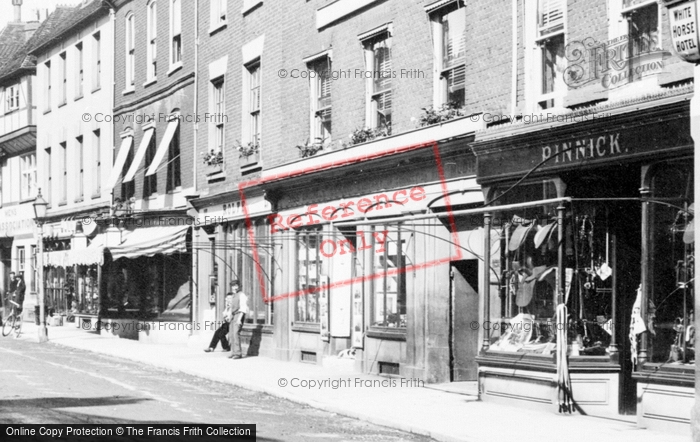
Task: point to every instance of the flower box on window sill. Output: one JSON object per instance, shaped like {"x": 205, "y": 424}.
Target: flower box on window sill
{"x": 250, "y": 162}
{"x": 214, "y": 172}
{"x": 390, "y": 333}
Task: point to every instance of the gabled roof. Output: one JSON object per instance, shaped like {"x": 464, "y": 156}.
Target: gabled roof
{"x": 21, "y": 57}
{"x": 71, "y": 18}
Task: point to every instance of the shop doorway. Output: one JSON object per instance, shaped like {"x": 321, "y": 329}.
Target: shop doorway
{"x": 5, "y": 268}
{"x": 464, "y": 313}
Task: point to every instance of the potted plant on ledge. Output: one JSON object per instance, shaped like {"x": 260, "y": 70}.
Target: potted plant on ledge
{"x": 214, "y": 160}
{"x": 309, "y": 148}
{"x": 249, "y": 153}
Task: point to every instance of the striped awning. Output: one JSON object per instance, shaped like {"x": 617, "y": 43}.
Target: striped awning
{"x": 57, "y": 258}
{"x": 151, "y": 241}
{"x": 91, "y": 255}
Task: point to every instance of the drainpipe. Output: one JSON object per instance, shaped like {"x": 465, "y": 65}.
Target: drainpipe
{"x": 196, "y": 93}
{"x": 514, "y": 67}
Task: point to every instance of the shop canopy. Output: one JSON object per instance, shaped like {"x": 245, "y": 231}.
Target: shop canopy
{"x": 150, "y": 241}
{"x": 92, "y": 255}
{"x": 163, "y": 147}
{"x": 120, "y": 161}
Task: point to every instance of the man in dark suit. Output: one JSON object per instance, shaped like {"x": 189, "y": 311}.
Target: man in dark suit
{"x": 239, "y": 308}
{"x": 17, "y": 289}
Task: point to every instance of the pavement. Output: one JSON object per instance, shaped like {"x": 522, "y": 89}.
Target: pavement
{"x": 442, "y": 415}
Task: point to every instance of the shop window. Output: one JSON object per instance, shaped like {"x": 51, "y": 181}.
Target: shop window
{"x": 27, "y": 176}
{"x": 389, "y": 289}
{"x": 86, "y": 298}
{"x": 550, "y": 38}
{"x": 21, "y": 259}
{"x": 670, "y": 313}
{"x": 174, "y": 180}
{"x": 241, "y": 262}
{"x": 150, "y": 182}
{"x": 309, "y": 276}
{"x": 321, "y": 104}
{"x": 378, "y": 59}
{"x": 56, "y": 286}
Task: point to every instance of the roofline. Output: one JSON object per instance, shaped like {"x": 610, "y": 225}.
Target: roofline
{"x": 52, "y": 41}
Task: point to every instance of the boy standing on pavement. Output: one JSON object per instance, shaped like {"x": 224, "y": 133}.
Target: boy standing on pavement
{"x": 239, "y": 308}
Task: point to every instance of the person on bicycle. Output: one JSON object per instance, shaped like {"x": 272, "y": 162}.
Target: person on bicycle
{"x": 17, "y": 289}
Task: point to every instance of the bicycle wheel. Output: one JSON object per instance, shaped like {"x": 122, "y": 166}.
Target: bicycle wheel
{"x": 18, "y": 326}
{"x": 9, "y": 324}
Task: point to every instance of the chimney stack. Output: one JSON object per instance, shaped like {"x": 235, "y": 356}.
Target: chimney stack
{"x": 18, "y": 10}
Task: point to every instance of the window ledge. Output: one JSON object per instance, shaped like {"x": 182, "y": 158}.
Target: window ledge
{"x": 11, "y": 111}
{"x": 78, "y": 97}
{"x": 306, "y": 327}
{"x": 60, "y": 105}
{"x": 389, "y": 333}
{"x": 78, "y": 200}
{"x": 46, "y": 111}
{"x": 22, "y": 201}
{"x": 249, "y": 5}
{"x": 174, "y": 68}
{"x": 96, "y": 195}
{"x": 62, "y": 203}
{"x": 150, "y": 82}
{"x": 218, "y": 27}
{"x": 178, "y": 189}
{"x": 97, "y": 89}
{"x": 130, "y": 90}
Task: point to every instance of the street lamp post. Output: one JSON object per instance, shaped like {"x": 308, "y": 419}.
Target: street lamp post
{"x": 40, "y": 206}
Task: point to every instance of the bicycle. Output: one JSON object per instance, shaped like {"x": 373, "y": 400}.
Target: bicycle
{"x": 13, "y": 321}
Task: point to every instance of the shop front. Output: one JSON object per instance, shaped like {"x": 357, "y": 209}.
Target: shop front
{"x": 224, "y": 251}
{"x": 371, "y": 263}
{"x": 17, "y": 251}
{"x": 594, "y": 257}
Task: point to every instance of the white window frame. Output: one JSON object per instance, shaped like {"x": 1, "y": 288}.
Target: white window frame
{"x": 175, "y": 34}
{"x": 63, "y": 188}
{"x": 218, "y": 14}
{"x": 130, "y": 53}
{"x": 97, "y": 56}
{"x": 152, "y": 42}
{"x": 28, "y": 176}
{"x": 80, "y": 167}
{"x": 440, "y": 79}
{"x": 317, "y": 129}
{"x": 97, "y": 172}
{"x": 368, "y": 40}
{"x": 12, "y": 97}
{"x": 47, "y": 82}
{"x": 253, "y": 114}
{"x": 79, "y": 69}
{"x": 543, "y": 35}
{"x": 217, "y": 139}
{"x": 63, "y": 59}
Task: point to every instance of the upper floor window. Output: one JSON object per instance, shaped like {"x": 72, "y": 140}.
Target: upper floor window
{"x": 97, "y": 172}
{"x": 643, "y": 32}
{"x": 218, "y": 110}
{"x": 79, "y": 70}
{"x": 152, "y": 31}
{"x": 321, "y": 105}
{"x": 63, "y": 173}
{"x": 175, "y": 32}
{"x": 150, "y": 182}
{"x": 80, "y": 153}
{"x": 254, "y": 101}
{"x": 218, "y": 14}
{"x": 27, "y": 176}
{"x": 174, "y": 179}
{"x": 97, "y": 53}
{"x": 64, "y": 77}
{"x": 550, "y": 37}
{"x": 378, "y": 57}
{"x": 449, "y": 34}
{"x": 12, "y": 98}
{"x": 130, "y": 48}
{"x": 47, "y": 84}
